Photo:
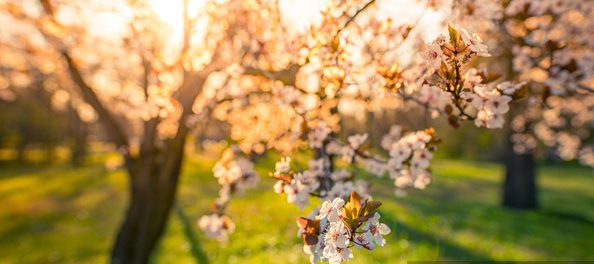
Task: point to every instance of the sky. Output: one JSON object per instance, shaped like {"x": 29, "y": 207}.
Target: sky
{"x": 298, "y": 14}
{"x": 301, "y": 13}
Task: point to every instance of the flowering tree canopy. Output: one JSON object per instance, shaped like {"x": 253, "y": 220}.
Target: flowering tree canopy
{"x": 546, "y": 45}
{"x": 349, "y": 57}
{"x": 283, "y": 89}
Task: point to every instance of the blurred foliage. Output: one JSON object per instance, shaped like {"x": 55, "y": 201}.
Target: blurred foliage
{"x": 26, "y": 121}
{"x": 31, "y": 130}
{"x": 470, "y": 143}
{"x": 465, "y": 142}
{"x": 29, "y": 125}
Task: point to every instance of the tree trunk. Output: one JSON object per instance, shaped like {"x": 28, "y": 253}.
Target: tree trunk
{"x": 21, "y": 155}
{"x": 154, "y": 176}
{"x": 153, "y": 186}
{"x": 79, "y": 150}
{"x": 80, "y": 134}
{"x": 49, "y": 151}
{"x": 519, "y": 189}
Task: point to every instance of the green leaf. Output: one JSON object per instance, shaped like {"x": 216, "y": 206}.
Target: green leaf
{"x": 371, "y": 206}
{"x": 445, "y": 72}
{"x": 454, "y": 36}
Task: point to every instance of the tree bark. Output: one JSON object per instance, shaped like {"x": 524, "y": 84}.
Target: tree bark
{"x": 79, "y": 149}
{"x": 79, "y": 131}
{"x": 153, "y": 185}
{"x": 21, "y": 155}
{"x": 519, "y": 189}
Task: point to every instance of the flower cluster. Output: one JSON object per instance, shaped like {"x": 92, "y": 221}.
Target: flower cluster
{"x": 277, "y": 89}
{"x": 334, "y": 74}
{"x": 317, "y": 181}
{"x": 470, "y": 95}
{"x": 332, "y": 230}
{"x": 318, "y": 134}
{"x": 490, "y": 103}
{"x": 216, "y": 226}
{"x": 350, "y": 150}
{"x": 298, "y": 186}
{"x": 457, "y": 48}
{"x": 552, "y": 52}
{"x": 235, "y": 175}
{"x": 410, "y": 156}
{"x": 337, "y": 226}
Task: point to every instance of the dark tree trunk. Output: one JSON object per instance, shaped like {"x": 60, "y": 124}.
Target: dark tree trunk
{"x": 79, "y": 150}
{"x": 49, "y": 150}
{"x": 153, "y": 184}
{"x": 80, "y": 134}
{"x": 154, "y": 176}
{"x": 519, "y": 189}
{"x": 21, "y": 155}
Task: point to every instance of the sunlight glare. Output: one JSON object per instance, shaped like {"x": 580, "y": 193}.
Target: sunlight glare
{"x": 171, "y": 13}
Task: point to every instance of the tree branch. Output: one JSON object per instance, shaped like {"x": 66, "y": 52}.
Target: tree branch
{"x": 352, "y": 18}
{"x": 112, "y": 127}
{"x": 585, "y": 89}
{"x": 286, "y": 76}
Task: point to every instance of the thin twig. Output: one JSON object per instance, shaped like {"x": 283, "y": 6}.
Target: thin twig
{"x": 352, "y": 18}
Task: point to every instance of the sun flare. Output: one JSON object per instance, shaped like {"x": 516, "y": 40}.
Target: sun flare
{"x": 170, "y": 12}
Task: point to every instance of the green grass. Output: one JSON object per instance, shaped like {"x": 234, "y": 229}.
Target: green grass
{"x": 69, "y": 215}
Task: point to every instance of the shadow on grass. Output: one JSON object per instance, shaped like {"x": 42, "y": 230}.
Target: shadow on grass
{"x": 471, "y": 207}
{"x": 578, "y": 218}
{"x": 446, "y": 249}
{"x": 534, "y": 230}
{"x": 52, "y": 213}
{"x": 45, "y": 212}
{"x": 190, "y": 233}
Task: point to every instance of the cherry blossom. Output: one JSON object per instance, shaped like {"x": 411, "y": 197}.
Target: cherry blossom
{"x": 318, "y": 135}
{"x": 288, "y": 91}
{"x": 336, "y": 75}
{"x": 331, "y": 210}
{"x": 283, "y": 165}
{"x": 475, "y": 43}
{"x": 376, "y": 230}
{"x": 216, "y": 226}
{"x": 338, "y": 226}
{"x": 551, "y": 68}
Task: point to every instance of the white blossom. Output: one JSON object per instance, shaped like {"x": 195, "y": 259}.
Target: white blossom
{"x": 509, "y": 88}
{"x": 376, "y": 229}
{"x": 475, "y": 43}
{"x": 355, "y": 141}
{"x": 317, "y": 135}
{"x": 420, "y": 159}
{"x": 364, "y": 240}
{"x": 340, "y": 175}
{"x": 216, "y": 226}
{"x": 336, "y": 241}
{"x": 331, "y": 210}
{"x": 283, "y": 166}
{"x": 297, "y": 193}
{"x": 392, "y": 137}
{"x": 375, "y": 167}
{"x": 497, "y": 104}
{"x": 399, "y": 153}
{"x": 317, "y": 166}
{"x": 433, "y": 55}
{"x": 337, "y": 235}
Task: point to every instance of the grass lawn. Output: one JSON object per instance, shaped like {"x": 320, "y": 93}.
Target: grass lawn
{"x": 69, "y": 215}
